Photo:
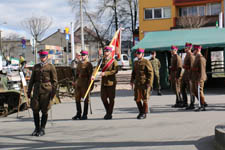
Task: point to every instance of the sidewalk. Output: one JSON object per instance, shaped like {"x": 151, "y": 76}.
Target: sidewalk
{"x": 165, "y": 128}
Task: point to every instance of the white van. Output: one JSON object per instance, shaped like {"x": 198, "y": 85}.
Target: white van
{"x": 124, "y": 62}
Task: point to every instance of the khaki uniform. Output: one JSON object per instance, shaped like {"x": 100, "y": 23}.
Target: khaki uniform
{"x": 142, "y": 78}
{"x": 44, "y": 81}
{"x": 198, "y": 76}
{"x": 175, "y": 76}
{"x": 82, "y": 80}
{"x": 108, "y": 85}
{"x": 186, "y": 78}
{"x": 156, "y": 65}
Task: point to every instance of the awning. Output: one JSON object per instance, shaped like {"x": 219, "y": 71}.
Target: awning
{"x": 162, "y": 40}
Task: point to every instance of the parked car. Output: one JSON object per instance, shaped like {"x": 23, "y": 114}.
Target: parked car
{"x": 124, "y": 62}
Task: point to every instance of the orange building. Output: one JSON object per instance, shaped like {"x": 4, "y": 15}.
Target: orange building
{"x": 161, "y": 15}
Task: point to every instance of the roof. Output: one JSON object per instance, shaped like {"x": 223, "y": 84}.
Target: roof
{"x": 162, "y": 40}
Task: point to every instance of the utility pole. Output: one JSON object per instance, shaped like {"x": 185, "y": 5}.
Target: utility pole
{"x": 73, "y": 51}
{"x": 81, "y": 25}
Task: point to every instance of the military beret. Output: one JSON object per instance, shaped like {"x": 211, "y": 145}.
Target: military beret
{"x": 197, "y": 47}
{"x": 43, "y": 53}
{"x": 83, "y": 52}
{"x": 108, "y": 48}
{"x": 188, "y": 45}
{"x": 174, "y": 47}
{"x": 140, "y": 50}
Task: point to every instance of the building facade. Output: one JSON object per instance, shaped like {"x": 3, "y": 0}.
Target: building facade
{"x": 162, "y": 15}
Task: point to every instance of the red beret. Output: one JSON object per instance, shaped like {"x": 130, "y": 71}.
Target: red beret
{"x": 43, "y": 53}
{"x": 108, "y": 48}
{"x": 188, "y": 45}
{"x": 84, "y": 52}
{"x": 197, "y": 46}
{"x": 174, "y": 47}
{"x": 140, "y": 50}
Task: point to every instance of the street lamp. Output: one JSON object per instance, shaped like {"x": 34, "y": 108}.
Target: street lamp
{"x": 1, "y": 37}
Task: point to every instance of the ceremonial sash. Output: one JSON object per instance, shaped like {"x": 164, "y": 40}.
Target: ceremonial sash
{"x": 107, "y": 65}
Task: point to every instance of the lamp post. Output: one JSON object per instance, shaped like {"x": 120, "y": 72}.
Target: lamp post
{"x": 1, "y": 37}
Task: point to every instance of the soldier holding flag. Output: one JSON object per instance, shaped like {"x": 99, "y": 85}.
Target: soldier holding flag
{"x": 108, "y": 83}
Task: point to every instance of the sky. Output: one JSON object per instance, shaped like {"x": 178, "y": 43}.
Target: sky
{"x": 14, "y": 11}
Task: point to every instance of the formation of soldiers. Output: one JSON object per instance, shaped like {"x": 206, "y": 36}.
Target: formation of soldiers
{"x": 43, "y": 82}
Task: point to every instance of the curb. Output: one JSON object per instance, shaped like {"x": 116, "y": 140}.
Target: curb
{"x": 220, "y": 137}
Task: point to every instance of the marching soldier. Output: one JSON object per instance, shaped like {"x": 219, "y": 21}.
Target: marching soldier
{"x": 186, "y": 78}
{"x": 108, "y": 83}
{"x": 175, "y": 75}
{"x": 141, "y": 79}
{"x": 82, "y": 80}
{"x": 199, "y": 76}
{"x": 44, "y": 81}
{"x": 156, "y": 65}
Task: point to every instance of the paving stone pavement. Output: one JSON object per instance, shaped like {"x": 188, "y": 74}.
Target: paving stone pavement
{"x": 165, "y": 128}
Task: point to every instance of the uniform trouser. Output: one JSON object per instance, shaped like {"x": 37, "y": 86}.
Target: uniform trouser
{"x": 195, "y": 87}
{"x": 176, "y": 84}
{"x": 142, "y": 94}
{"x": 186, "y": 86}
{"x": 156, "y": 82}
{"x": 41, "y": 103}
{"x": 108, "y": 92}
{"x": 80, "y": 93}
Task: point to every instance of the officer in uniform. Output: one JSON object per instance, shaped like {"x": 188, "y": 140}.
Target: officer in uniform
{"x": 44, "y": 82}
{"x": 156, "y": 65}
{"x": 186, "y": 78}
{"x": 82, "y": 80}
{"x": 108, "y": 84}
{"x": 175, "y": 75}
{"x": 198, "y": 74}
{"x": 142, "y": 79}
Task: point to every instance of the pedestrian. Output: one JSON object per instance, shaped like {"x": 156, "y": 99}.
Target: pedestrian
{"x": 141, "y": 80}
{"x": 175, "y": 75}
{"x": 186, "y": 78}
{"x": 198, "y": 76}
{"x": 82, "y": 80}
{"x": 156, "y": 65}
{"x": 43, "y": 81}
{"x": 108, "y": 84}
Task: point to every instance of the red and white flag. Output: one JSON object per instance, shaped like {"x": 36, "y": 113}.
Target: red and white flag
{"x": 116, "y": 44}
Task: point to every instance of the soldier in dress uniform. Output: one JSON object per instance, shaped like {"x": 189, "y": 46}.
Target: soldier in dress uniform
{"x": 198, "y": 75}
{"x": 108, "y": 83}
{"x": 186, "y": 78}
{"x": 44, "y": 81}
{"x": 82, "y": 80}
{"x": 175, "y": 75}
{"x": 156, "y": 65}
{"x": 142, "y": 80}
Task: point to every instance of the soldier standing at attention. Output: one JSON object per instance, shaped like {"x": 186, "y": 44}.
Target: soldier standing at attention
{"x": 198, "y": 75}
{"x": 186, "y": 78}
{"x": 44, "y": 81}
{"x": 82, "y": 80}
{"x": 175, "y": 75}
{"x": 108, "y": 83}
{"x": 156, "y": 65}
{"x": 141, "y": 79}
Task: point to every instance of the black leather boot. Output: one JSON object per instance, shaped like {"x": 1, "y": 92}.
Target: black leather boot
{"x": 44, "y": 120}
{"x": 84, "y": 117}
{"x": 79, "y": 111}
{"x": 37, "y": 124}
{"x": 140, "y": 108}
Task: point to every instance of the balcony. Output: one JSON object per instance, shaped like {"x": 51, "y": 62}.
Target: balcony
{"x": 195, "y": 21}
{"x": 193, "y": 2}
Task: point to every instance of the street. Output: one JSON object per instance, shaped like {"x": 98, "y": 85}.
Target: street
{"x": 165, "y": 128}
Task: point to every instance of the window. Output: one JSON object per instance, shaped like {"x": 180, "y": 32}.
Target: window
{"x": 201, "y": 10}
{"x": 213, "y": 9}
{"x": 157, "y": 13}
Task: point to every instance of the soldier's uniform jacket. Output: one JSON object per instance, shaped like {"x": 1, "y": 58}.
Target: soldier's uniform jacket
{"x": 44, "y": 79}
{"x": 109, "y": 79}
{"x": 188, "y": 63}
{"x": 142, "y": 74}
{"x": 176, "y": 67}
{"x": 198, "y": 71}
{"x": 83, "y": 73}
{"x": 156, "y": 65}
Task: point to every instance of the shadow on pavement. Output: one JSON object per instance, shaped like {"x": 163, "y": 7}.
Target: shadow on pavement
{"x": 205, "y": 143}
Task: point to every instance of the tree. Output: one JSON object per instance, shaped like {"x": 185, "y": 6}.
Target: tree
{"x": 192, "y": 21}
{"x": 37, "y": 26}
